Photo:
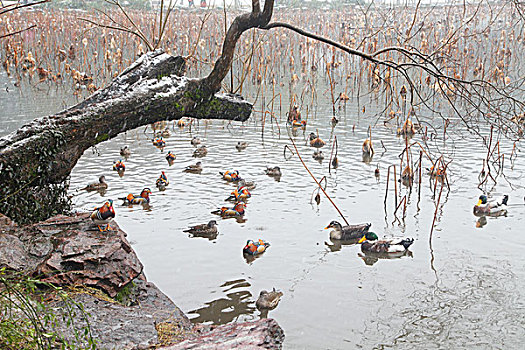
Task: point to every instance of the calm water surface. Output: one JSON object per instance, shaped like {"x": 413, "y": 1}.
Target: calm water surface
{"x": 464, "y": 289}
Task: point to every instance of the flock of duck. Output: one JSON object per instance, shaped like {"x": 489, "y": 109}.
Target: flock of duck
{"x": 370, "y": 244}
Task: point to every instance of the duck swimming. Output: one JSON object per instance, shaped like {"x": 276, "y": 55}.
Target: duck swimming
{"x": 495, "y": 208}
{"x": 103, "y": 215}
{"x": 231, "y": 175}
{"x": 119, "y": 166}
{"x": 236, "y": 211}
{"x": 200, "y": 152}
{"x": 241, "y": 193}
{"x": 125, "y": 151}
{"x": 195, "y": 141}
{"x": 97, "y": 186}
{"x": 162, "y": 182}
{"x": 193, "y": 168}
{"x": 204, "y": 230}
{"x": 159, "y": 142}
{"x": 143, "y": 198}
{"x": 170, "y": 157}
{"x": 385, "y": 246}
{"x": 275, "y": 171}
{"x": 255, "y": 247}
{"x": 348, "y": 232}
{"x": 241, "y": 145}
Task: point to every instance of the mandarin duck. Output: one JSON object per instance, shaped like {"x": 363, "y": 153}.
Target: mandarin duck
{"x": 231, "y": 176}
{"x": 275, "y": 171}
{"x": 237, "y": 210}
{"x": 125, "y": 151}
{"x": 349, "y": 232}
{"x": 143, "y": 198}
{"x": 208, "y": 230}
{"x": 255, "y": 247}
{"x": 495, "y": 208}
{"x": 162, "y": 182}
{"x": 195, "y": 141}
{"x": 119, "y": 166}
{"x": 200, "y": 152}
{"x": 170, "y": 157}
{"x": 103, "y": 215}
{"x": 268, "y": 300}
{"x": 97, "y": 186}
{"x": 159, "y": 142}
{"x": 241, "y": 145}
{"x": 193, "y": 168}
{"x": 241, "y": 193}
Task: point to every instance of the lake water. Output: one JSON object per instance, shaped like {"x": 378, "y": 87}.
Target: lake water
{"x": 464, "y": 288}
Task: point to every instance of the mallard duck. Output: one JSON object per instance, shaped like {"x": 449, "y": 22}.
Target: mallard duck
{"x": 255, "y": 247}
{"x": 125, "y": 151}
{"x": 103, "y": 215}
{"x": 275, "y": 171}
{"x": 231, "y": 176}
{"x": 119, "y": 166}
{"x": 497, "y": 207}
{"x": 268, "y": 300}
{"x": 97, "y": 186}
{"x": 385, "y": 246}
{"x": 200, "y": 152}
{"x": 239, "y": 194}
{"x": 170, "y": 157}
{"x": 204, "y": 230}
{"x": 318, "y": 155}
{"x": 236, "y": 210}
{"x": 195, "y": 141}
{"x": 193, "y": 168}
{"x": 241, "y": 145}
{"x": 159, "y": 142}
{"x": 349, "y": 232}
{"x": 162, "y": 182}
{"x": 143, "y": 198}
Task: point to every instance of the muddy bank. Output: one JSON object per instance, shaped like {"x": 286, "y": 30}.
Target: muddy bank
{"x": 103, "y": 273}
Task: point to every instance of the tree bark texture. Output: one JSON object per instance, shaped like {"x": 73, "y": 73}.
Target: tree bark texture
{"x": 36, "y": 160}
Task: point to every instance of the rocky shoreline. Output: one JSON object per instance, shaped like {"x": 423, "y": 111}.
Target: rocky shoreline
{"x": 106, "y": 276}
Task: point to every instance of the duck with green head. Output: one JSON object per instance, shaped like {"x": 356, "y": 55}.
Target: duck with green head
{"x": 385, "y": 246}
{"x": 496, "y": 207}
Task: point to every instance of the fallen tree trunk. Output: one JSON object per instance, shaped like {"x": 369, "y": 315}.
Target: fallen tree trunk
{"x": 36, "y": 160}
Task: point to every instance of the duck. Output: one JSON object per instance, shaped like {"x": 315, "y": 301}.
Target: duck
{"x": 318, "y": 155}
{"x": 349, "y": 232}
{"x": 241, "y": 145}
{"x": 125, "y": 151}
{"x": 97, "y": 186}
{"x": 275, "y": 171}
{"x": 249, "y": 185}
{"x": 200, "y": 152}
{"x": 368, "y": 148}
{"x": 408, "y": 128}
{"x": 496, "y": 207}
{"x": 385, "y": 246}
{"x": 237, "y": 210}
{"x": 299, "y": 124}
{"x": 204, "y": 230}
{"x": 162, "y": 182}
{"x": 181, "y": 123}
{"x": 231, "y": 175}
{"x": 170, "y": 157}
{"x": 316, "y": 142}
{"x": 119, "y": 166}
{"x": 159, "y": 142}
{"x": 195, "y": 141}
{"x": 103, "y": 215}
{"x": 165, "y": 133}
{"x": 294, "y": 116}
{"x": 143, "y": 198}
{"x": 255, "y": 247}
{"x": 268, "y": 300}
{"x": 239, "y": 194}
{"x": 334, "y": 121}
{"x": 193, "y": 168}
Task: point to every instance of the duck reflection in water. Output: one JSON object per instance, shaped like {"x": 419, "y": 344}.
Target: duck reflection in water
{"x": 229, "y": 308}
{"x": 482, "y": 221}
{"x": 371, "y": 258}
